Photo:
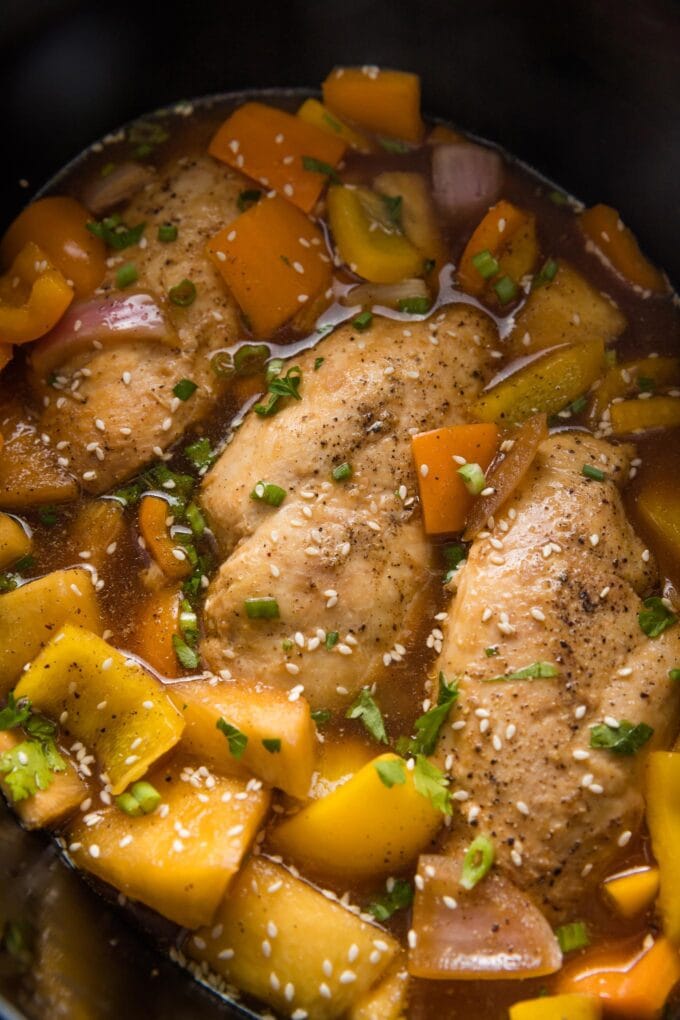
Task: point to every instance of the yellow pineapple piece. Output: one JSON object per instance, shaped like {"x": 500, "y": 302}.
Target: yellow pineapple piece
{"x": 14, "y": 541}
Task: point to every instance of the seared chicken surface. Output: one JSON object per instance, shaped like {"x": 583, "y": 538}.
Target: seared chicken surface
{"x": 342, "y": 558}
{"x": 557, "y": 580}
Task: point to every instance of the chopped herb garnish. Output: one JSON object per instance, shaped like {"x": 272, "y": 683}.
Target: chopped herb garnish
{"x": 317, "y": 166}
{"x": 655, "y": 617}
{"x": 126, "y": 275}
{"x": 147, "y": 132}
{"x": 536, "y": 671}
{"x": 184, "y": 389}
{"x": 485, "y": 264}
{"x": 262, "y": 608}
{"x": 491, "y": 651}
{"x": 393, "y": 145}
{"x": 15, "y": 713}
{"x": 473, "y": 478}
{"x": 321, "y": 716}
{"x": 187, "y": 657}
{"x": 546, "y": 274}
{"x": 334, "y": 124}
{"x": 269, "y": 493}
{"x": 597, "y": 475}
{"x": 477, "y": 863}
{"x": 30, "y": 766}
{"x": 248, "y": 198}
{"x": 454, "y": 555}
{"x": 167, "y": 232}
{"x": 48, "y": 515}
{"x": 398, "y": 897}
{"x": 414, "y": 305}
{"x": 342, "y": 472}
{"x": 506, "y": 289}
{"x": 272, "y": 744}
{"x": 222, "y": 364}
{"x": 332, "y": 638}
{"x": 626, "y": 738}
{"x": 199, "y": 453}
{"x": 391, "y": 773}
{"x": 366, "y": 709}
{"x": 558, "y": 198}
{"x": 195, "y": 520}
{"x": 363, "y": 321}
{"x": 107, "y": 169}
{"x": 273, "y": 369}
{"x": 280, "y": 387}
{"x": 183, "y": 294}
{"x": 126, "y": 803}
{"x": 393, "y": 205}
{"x": 646, "y": 384}
{"x": 674, "y": 674}
{"x": 141, "y": 799}
{"x": 287, "y": 645}
{"x": 188, "y": 622}
{"x": 8, "y": 582}
{"x": 572, "y": 936}
{"x": 114, "y": 233}
{"x": 318, "y": 362}
{"x": 578, "y": 405}
{"x": 428, "y": 725}
{"x": 250, "y": 358}
{"x": 237, "y": 741}
{"x": 432, "y": 783}
{"x": 16, "y": 940}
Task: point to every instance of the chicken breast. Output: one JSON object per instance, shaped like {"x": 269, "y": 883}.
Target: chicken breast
{"x": 347, "y": 561}
{"x": 557, "y": 581}
{"x": 115, "y": 409}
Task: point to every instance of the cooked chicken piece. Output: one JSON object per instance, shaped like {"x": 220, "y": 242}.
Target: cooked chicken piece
{"x": 116, "y": 407}
{"x": 346, "y": 561}
{"x": 558, "y": 580}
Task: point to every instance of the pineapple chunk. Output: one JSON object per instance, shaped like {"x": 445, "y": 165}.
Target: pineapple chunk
{"x": 320, "y": 958}
{"x": 388, "y": 999}
{"x": 558, "y": 1007}
{"x": 633, "y": 891}
{"x": 260, "y": 713}
{"x": 178, "y": 861}
{"x": 339, "y": 759}
{"x": 46, "y": 807}
{"x": 14, "y": 542}
{"x": 117, "y": 710}
{"x": 95, "y": 527}
{"x": 31, "y": 614}
{"x": 566, "y": 310}
{"x": 362, "y": 829}
{"x": 29, "y": 472}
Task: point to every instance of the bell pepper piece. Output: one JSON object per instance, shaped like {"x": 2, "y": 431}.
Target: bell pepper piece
{"x": 30, "y": 307}
{"x": 270, "y": 145}
{"x": 509, "y": 235}
{"x": 632, "y": 892}
{"x": 547, "y": 384}
{"x": 626, "y": 378}
{"x": 14, "y": 541}
{"x": 639, "y": 415}
{"x": 604, "y": 231}
{"x": 168, "y": 554}
{"x": 315, "y": 113}
{"x": 444, "y": 499}
{"x": 117, "y": 710}
{"x": 260, "y": 255}
{"x": 45, "y": 807}
{"x": 382, "y": 254}
{"x": 663, "y": 818}
{"x": 558, "y": 1007}
{"x": 385, "y": 102}
{"x": 417, "y": 213}
{"x": 58, "y": 225}
{"x": 155, "y": 624}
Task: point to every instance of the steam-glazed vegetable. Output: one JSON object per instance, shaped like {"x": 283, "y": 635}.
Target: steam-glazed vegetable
{"x": 339, "y": 551}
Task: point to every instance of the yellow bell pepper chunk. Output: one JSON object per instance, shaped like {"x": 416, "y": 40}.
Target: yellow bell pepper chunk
{"x": 45, "y": 807}
{"x": 547, "y": 384}
{"x": 379, "y": 253}
{"x": 388, "y": 999}
{"x": 183, "y": 875}
{"x": 30, "y": 307}
{"x": 303, "y": 929}
{"x": 417, "y": 212}
{"x": 663, "y": 818}
{"x": 315, "y": 113}
{"x": 363, "y": 828}
{"x": 14, "y": 541}
{"x": 632, "y": 892}
{"x": 118, "y": 711}
{"x": 623, "y": 379}
{"x": 659, "y": 506}
{"x": 32, "y": 614}
{"x": 639, "y": 415}
{"x": 558, "y": 1007}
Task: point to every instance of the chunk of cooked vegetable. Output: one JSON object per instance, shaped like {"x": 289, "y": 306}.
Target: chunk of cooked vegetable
{"x": 14, "y": 541}
{"x": 310, "y": 963}
{"x": 338, "y": 760}
{"x": 659, "y": 506}
{"x": 363, "y": 828}
{"x": 385, "y": 102}
{"x": 663, "y": 818}
{"x": 370, "y": 245}
{"x": 31, "y": 615}
{"x": 491, "y": 931}
{"x": 280, "y": 735}
{"x": 315, "y": 113}
{"x": 179, "y": 859}
{"x": 96, "y": 529}
{"x": 154, "y": 512}
{"x": 632, "y": 892}
{"x": 118, "y": 711}
{"x": 605, "y": 232}
{"x": 29, "y": 472}
{"x": 438, "y": 455}
{"x": 277, "y": 149}
{"x": 558, "y": 1007}
{"x": 388, "y": 999}
{"x": 632, "y": 981}
{"x": 273, "y": 259}
{"x": 503, "y": 245}
{"x": 566, "y": 309}
{"x": 417, "y": 213}
{"x": 155, "y": 625}
{"x": 546, "y": 385}
{"x": 641, "y": 415}
{"x": 46, "y": 806}
{"x": 643, "y": 375}
{"x": 58, "y": 225}
{"x": 33, "y": 296}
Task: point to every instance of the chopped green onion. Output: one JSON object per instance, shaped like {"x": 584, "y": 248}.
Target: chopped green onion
{"x": 536, "y": 671}
{"x": 334, "y": 124}
{"x": 366, "y": 709}
{"x": 237, "y": 741}
{"x": 287, "y": 644}
{"x": 477, "y": 863}
{"x": 546, "y": 274}
{"x": 247, "y": 198}
{"x": 269, "y": 493}
{"x": 317, "y": 166}
{"x": 491, "y": 651}
{"x": 597, "y": 475}
{"x": 454, "y": 554}
{"x": 393, "y": 205}
{"x": 674, "y": 674}
{"x": 184, "y": 389}
{"x": 391, "y": 773}
{"x": 646, "y": 384}
{"x": 250, "y": 358}
{"x": 321, "y": 716}
{"x": 342, "y": 472}
{"x": 281, "y": 386}
{"x": 273, "y": 369}
{"x": 473, "y": 478}
{"x": 578, "y": 405}
{"x": 183, "y": 294}
{"x": 624, "y": 739}
{"x": 363, "y": 321}
{"x": 262, "y": 608}
{"x": 655, "y": 617}
{"x": 126, "y": 275}
{"x": 485, "y": 264}
{"x": 199, "y": 453}
{"x": 558, "y": 198}
{"x": 195, "y": 520}
{"x": 506, "y": 289}
{"x": 393, "y": 145}
{"x": 188, "y": 622}
{"x": 167, "y": 232}
{"x": 114, "y": 233}
{"x": 222, "y": 364}
{"x": 147, "y": 796}
{"x": 318, "y": 362}
{"x": 332, "y": 638}
{"x": 572, "y": 936}
{"x": 107, "y": 169}
{"x": 48, "y": 515}
{"x": 186, "y": 656}
{"x": 272, "y": 744}
{"x": 129, "y": 805}
{"x": 398, "y": 897}
{"x": 414, "y": 305}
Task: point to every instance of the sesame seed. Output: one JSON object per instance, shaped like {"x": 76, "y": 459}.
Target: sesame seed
{"x": 94, "y": 851}
{"x": 424, "y": 470}
{"x": 292, "y": 668}
{"x": 612, "y": 722}
{"x": 580, "y": 755}
{"x": 412, "y": 938}
{"x": 594, "y": 539}
{"x": 625, "y": 671}
{"x": 516, "y": 858}
{"x": 580, "y": 712}
{"x": 538, "y": 614}
{"x": 625, "y": 838}
{"x": 522, "y": 807}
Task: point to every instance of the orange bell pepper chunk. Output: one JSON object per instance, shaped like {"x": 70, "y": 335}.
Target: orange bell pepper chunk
{"x": 604, "y": 229}
{"x": 6, "y": 352}
{"x": 270, "y": 146}
{"x": 58, "y": 225}
{"x": 273, "y": 259}
{"x": 503, "y": 229}
{"x": 33, "y": 297}
{"x": 443, "y": 496}
{"x": 443, "y": 135}
{"x": 156, "y": 622}
{"x": 386, "y": 102}
{"x": 153, "y": 514}
{"x": 632, "y": 984}
{"x": 314, "y": 112}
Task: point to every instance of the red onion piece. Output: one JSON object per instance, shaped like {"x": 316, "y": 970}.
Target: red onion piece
{"x": 466, "y": 177}
{"x": 101, "y": 322}
{"x": 119, "y": 186}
